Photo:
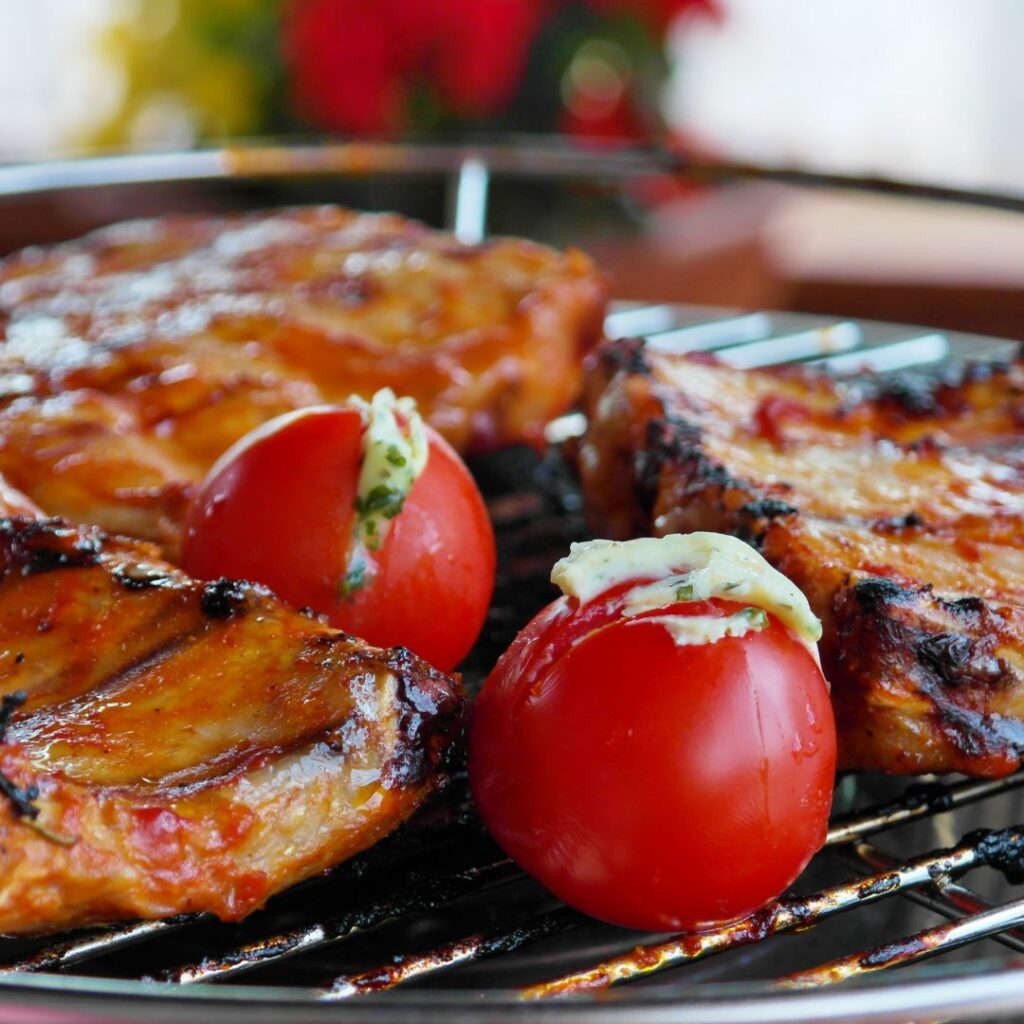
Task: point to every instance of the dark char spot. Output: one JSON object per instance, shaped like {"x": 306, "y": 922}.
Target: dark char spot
{"x": 767, "y": 508}
{"x": 876, "y": 591}
{"x": 910, "y": 521}
{"x": 32, "y": 546}
{"x": 914, "y": 393}
{"x": 945, "y": 655}
{"x": 964, "y": 605}
{"x": 222, "y": 598}
{"x": 626, "y": 354}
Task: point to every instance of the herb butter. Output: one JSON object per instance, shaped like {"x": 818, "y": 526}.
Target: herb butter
{"x": 695, "y": 630}
{"x": 395, "y": 450}
{"x": 685, "y": 567}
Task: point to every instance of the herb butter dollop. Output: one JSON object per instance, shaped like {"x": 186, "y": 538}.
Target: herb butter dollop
{"x": 395, "y": 451}
{"x": 394, "y": 454}
{"x": 686, "y": 567}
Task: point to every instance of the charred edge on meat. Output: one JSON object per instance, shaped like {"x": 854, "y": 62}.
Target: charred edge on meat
{"x": 673, "y": 440}
{"x": 911, "y": 393}
{"x": 21, "y": 797}
{"x": 767, "y": 509}
{"x": 669, "y": 440}
{"x": 942, "y": 664}
{"x": 963, "y": 605}
{"x": 430, "y": 706}
{"x": 431, "y": 721}
{"x": 876, "y": 591}
{"x": 32, "y": 546}
{"x": 917, "y": 394}
{"x": 624, "y": 355}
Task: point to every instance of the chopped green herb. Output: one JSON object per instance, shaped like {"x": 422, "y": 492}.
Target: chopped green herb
{"x": 757, "y": 617}
{"x": 732, "y": 586}
{"x": 394, "y": 456}
{"x": 371, "y": 537}
{"x": 381, "y": 499}
{"x": 684, "y": 592}
{"x": 354, "y": 578}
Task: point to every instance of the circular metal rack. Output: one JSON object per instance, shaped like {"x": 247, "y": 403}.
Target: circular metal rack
{"x": 434, "y": 920}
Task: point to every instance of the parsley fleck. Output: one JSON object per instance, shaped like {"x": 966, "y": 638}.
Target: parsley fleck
{"x": 354, "y": 578}
{"x": 394, "y": 456}
{"x": 684, "y": 592}
{"x": 757, "y": 617}
{"x": 381, "y": 500}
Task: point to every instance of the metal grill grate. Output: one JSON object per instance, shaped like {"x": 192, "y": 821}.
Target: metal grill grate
{"x": 442, "y": 877}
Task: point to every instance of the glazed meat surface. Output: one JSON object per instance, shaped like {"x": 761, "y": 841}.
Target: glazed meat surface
{"x": 131, "y": 359}
{"x": 896, "y": 505}
{"x": 192, "y": 747}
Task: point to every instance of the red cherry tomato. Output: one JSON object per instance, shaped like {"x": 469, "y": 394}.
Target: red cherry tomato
{"x": 278, "y": 508}
{"x": 652, "y": 785}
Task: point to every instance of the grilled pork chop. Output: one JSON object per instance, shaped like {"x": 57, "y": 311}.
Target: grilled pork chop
{"x": 192, "y": 747}
{"x": 131, "y": 359}
{"x": 897, "y": 507}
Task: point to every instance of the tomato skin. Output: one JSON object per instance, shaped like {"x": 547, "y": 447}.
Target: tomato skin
{"x": 263, "y": 515}
{"x": 278, "y": 508}
{"x": 435, "y": 571}
{"x": 652, "y": 785}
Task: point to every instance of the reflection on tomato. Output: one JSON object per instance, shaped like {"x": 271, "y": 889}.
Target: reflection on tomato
{"x": 655, "y": 785}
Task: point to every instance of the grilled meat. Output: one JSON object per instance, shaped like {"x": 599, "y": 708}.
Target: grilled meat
{"x": 192, "y": 747}
{"x": 131, "y": 359}
{"x": 897, "y": 506}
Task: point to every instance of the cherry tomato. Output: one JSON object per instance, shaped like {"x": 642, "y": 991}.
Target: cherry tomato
{"x": 279, "y": 508}
{"x": 654, "y": 785}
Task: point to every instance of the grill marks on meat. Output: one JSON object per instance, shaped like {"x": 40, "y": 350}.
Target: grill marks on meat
{"x": 131, "y": 359}
{"x": 204, "y": 745}
{"x": 897, "y": 506}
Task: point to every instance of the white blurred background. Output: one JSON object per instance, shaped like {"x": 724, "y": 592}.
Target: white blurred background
{"x": 928, "y": 90}
{"x": 54, "y": 84}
